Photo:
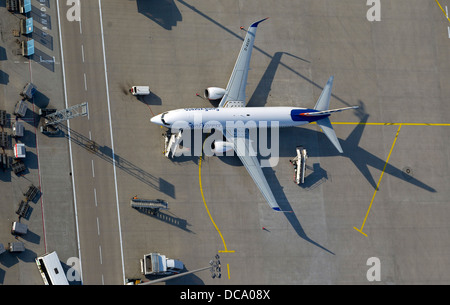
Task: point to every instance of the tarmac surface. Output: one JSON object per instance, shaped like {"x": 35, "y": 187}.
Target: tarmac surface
{"x": 384, "y": 200}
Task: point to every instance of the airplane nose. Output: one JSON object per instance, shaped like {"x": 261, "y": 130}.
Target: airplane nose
{"x": 156, "y": 119}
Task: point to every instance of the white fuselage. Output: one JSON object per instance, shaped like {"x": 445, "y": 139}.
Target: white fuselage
{"x": 251, "y": 117}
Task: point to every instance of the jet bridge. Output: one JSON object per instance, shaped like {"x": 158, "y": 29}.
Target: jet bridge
{"x": 299, "y": 163}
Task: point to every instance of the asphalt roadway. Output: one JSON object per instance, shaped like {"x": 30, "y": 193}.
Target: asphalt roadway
{"x": 384, "y": 200}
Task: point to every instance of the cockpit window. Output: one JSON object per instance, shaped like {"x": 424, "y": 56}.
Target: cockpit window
{"x": 162, "y": 118}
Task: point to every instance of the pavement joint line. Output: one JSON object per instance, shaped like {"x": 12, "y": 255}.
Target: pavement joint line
{"x": 207, "y": 209}
{"x": 378, "y": 184}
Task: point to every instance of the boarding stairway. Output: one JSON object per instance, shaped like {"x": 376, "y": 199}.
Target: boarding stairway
{"x": 299, "y": 163}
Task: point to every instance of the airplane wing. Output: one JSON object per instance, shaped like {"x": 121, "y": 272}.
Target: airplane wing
{"x": 235, "y": 90}
{"x": 245, "y": 152}
{"x": 235, "y": 97}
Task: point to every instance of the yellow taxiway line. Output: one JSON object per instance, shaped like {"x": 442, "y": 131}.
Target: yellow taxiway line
{"x": 443, "y": 10}
{"x": 207, "y": 209}
{"x": 379, "y": 181}
{"x": 334, "y": 123}
{"x": 389, "y": 155}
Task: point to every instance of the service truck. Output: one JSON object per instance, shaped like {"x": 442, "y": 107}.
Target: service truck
{"x": 19, "y": 151}
{"x": 140, "y": 90}
{"x": 18, "y": 129}
{"x": 18, "y": 228}
{"x": 20, "y": 109}
{"x": 28, "y": 91}
{"x": 157, "y": 264}
{"x": 16, "y": 246}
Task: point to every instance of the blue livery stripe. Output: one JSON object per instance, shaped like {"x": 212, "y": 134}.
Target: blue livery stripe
{"x": 297, "y": 117}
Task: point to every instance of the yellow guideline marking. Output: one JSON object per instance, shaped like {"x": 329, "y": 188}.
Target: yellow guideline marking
{"x": 378, "y": 184}
{"x": 228, "y": 268}
{"x": 442, "y": 10}
{"x": 207, "y": 210}
{"x": 387, "y": 124}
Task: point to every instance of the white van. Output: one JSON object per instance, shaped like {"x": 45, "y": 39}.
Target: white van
{"x": 140, "y": 90}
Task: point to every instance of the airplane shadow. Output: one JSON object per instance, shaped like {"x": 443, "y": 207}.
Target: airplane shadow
{"x": 262, "y": 90}
{"x": 233, "y": 33}
{"x": 280, "y": 196}
{"x": 359, "y": 156}
{"x": 364, "y": 159}
{"x": 284, "y": 204}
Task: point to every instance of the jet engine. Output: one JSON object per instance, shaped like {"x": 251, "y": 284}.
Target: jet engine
{"x": 214, "y": 93}
{"x": 220, "y": 147}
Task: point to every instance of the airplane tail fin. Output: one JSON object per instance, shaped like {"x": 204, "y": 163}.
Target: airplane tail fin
{"x": 323, "y": 105}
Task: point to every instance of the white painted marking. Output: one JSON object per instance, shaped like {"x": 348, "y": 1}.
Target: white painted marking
{"x": 85, "y": 82}
{"x": 98, "y": 227}
{"x": 112, "y": 140}
{"x": 82, "y": 52}
{"x": 93, "y": 173}
{"x": 70, "y": 141}
{"x": 95, "y": 197}
{"x": 100, "y": 250}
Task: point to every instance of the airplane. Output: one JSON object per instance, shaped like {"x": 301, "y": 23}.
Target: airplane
{"x": 232, "y": 109}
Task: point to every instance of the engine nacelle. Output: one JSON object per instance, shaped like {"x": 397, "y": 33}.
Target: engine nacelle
{"x": 221, "y": 147}
{"x": 214, "y": 93}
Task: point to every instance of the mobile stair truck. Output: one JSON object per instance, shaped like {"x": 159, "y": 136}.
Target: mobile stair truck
{"x": 153, "y": 206}
{"x": 299, "y": 163}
